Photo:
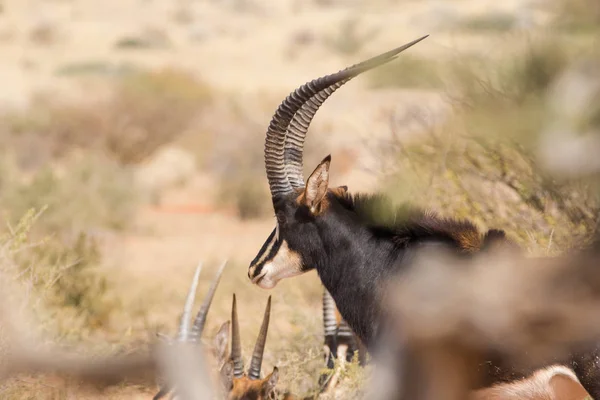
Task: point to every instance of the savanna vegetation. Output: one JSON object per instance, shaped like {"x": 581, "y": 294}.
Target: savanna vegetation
{"x": 88, "y": 260}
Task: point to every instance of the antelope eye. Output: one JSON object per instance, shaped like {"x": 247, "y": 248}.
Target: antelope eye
{"x": 281, "y": 219}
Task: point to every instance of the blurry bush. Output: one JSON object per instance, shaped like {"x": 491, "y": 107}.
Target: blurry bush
{"x": 148, "y": 38}
{"x": 239, "y": 165}
{"x": 408, "y": 71}
{"x": 490, "y": 22}
{"x": 86, "y": 194}
{"x": 59, "y": 286}
{"x": 70, "y": 160}
{"x": 51, "y": 289}
{"x": 481, "y": 162}
{"x": 349, "y": 38}
{"x": 90, "y": 196}
{"x": 58, "y": 254}
{"x": 144, "y": 111}
{"x": 96, "y": 67}
{"x": 577, "y": 15}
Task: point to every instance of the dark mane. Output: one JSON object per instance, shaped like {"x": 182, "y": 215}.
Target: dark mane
{"x": 406, "y": 223}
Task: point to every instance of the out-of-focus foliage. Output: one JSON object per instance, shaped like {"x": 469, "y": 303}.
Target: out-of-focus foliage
{"x": 144, "y": 111}
{"x": 481, "y": 163}
{"x": 577, "y": 15}
{"x": 409, "y": 71}
{"x": 62, "y": 289}
{"x": 86, "y": 194}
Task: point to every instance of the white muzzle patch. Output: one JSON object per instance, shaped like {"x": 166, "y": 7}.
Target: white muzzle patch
{"x": 285, "y": 264}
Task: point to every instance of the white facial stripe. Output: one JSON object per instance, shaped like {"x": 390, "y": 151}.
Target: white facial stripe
{"x": 277, "y": 231}
{"x": 285, "y": 264}
{"x": 267, "y": 251}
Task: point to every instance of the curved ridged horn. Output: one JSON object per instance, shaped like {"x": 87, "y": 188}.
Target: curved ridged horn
{"x": 329, "y": 320}
{"x": 287, "y": 130}
{"x": 236, "y": 344}
{"x": 200, "y": 319}
{"x": 184, "y": 325}
{"x": 259, "y": 347}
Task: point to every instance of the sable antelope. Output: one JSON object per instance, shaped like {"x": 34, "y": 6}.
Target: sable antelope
{"x": 355, "y": 242}
{"x": 193, "y": 333}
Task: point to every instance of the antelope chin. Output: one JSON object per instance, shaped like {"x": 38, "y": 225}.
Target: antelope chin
{"x": 263, "y": 281}
{"x": 266, "y": 282}
{"x": 272, "y": 273}
{"x": 285, "y": 264}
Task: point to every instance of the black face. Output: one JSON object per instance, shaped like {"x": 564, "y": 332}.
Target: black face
{"x": 291, "y": 248}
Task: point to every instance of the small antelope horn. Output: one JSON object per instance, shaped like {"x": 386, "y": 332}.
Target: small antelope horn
{"x": 259, "y": 347}
{"x": 184, "y": 325}
{"x": 329, "y": 320}
{"x": 200, "y": 319}
{"x": 236, "y": 344}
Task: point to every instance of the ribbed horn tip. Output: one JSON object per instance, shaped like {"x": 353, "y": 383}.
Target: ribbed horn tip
{"x": 259, "y": 347}
{"x": 184, "y": 325}
{"x": 383, "y": 58}
{"x": 200, "y": 319}
{"x": 236, "y": 345}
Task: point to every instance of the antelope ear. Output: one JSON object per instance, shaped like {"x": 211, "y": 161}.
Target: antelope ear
{"x": 316, "y": 185}
{"x": 272, "y": 379}
{"x": 221, "y": 342}
{"x": 227, "y": 375}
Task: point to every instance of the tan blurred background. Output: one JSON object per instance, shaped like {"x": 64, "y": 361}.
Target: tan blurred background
{"x": 131, "y": 136}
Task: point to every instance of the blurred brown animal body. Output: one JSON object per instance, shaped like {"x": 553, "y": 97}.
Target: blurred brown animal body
{"x": 556, "y": 382}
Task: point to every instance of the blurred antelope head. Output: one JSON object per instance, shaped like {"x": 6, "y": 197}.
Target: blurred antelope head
{"x": 239, "y": 384}
{"x": 192, "y": 333}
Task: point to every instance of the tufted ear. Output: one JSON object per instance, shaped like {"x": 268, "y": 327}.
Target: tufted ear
{"x": 316, "y": 185}
{"x": 271, "y": 380}
{"x": 221, "y": 342}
